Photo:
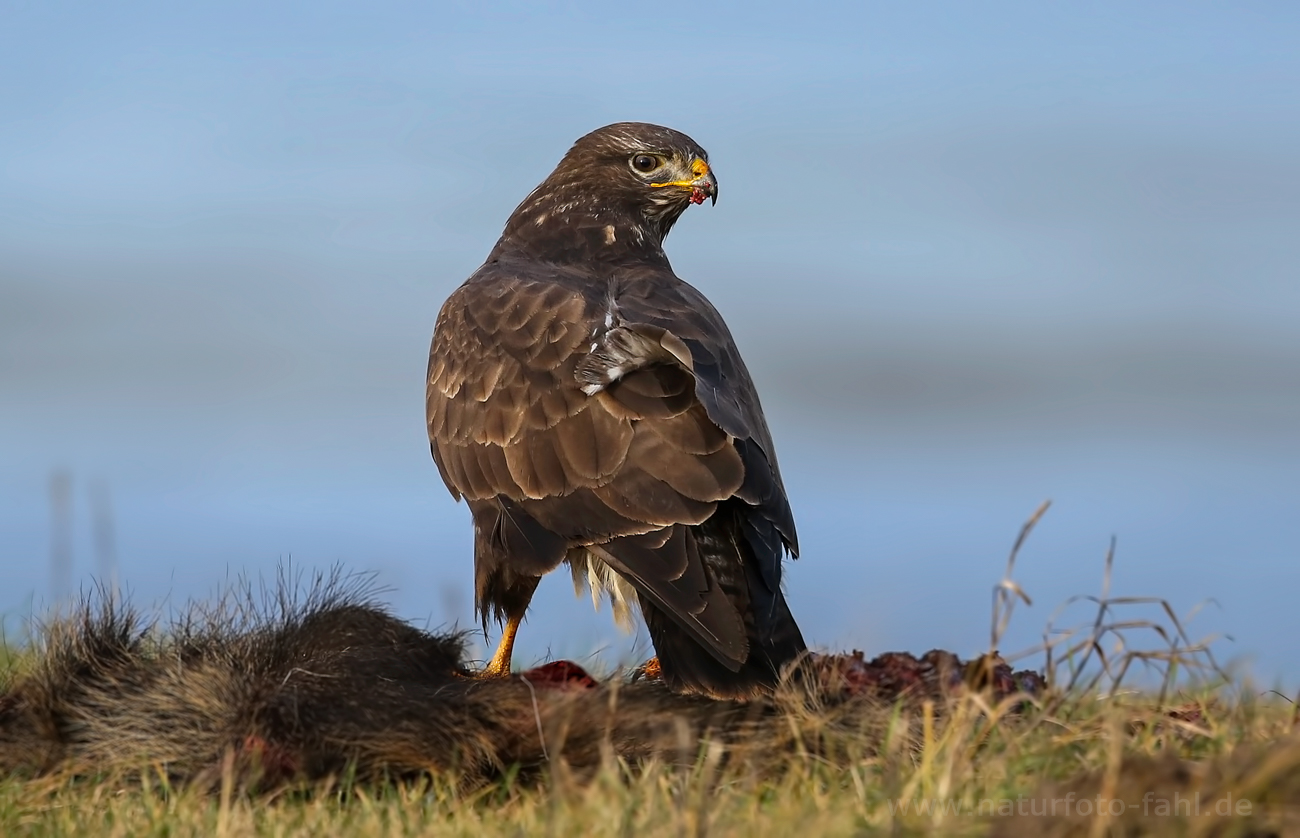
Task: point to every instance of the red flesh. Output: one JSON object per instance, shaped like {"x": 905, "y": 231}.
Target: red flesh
{"x": 560, "y": 675}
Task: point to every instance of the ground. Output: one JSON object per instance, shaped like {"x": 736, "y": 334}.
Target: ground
{"x": 1119, "y": 748}
{"x": 323, "y": 715}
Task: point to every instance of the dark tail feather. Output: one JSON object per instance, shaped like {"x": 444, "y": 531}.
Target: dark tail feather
{"x": 774, "y": 638}
{"x": 688, "y": 667}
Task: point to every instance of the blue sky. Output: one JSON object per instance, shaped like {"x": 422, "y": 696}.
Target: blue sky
{"x": 976, "y": 255}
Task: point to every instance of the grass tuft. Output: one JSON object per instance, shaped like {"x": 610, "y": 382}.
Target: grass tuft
{"x": 1140, "y": 723}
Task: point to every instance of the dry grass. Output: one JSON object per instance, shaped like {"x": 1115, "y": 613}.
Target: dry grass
{"x": 924, "y": 768}
{"x": 974, "y": 755}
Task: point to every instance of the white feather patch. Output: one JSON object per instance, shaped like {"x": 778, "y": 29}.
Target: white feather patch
{"x": 592, "y": 575}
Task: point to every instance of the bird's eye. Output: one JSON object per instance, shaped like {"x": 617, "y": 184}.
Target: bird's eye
{"x": 645, "y": 162}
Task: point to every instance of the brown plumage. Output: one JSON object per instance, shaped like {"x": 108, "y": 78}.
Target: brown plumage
{"x": 592, "y": 408}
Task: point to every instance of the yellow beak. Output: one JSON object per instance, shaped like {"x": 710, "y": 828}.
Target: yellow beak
{"x": 702, "y": 185}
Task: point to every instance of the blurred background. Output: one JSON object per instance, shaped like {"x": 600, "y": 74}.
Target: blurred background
{"x": 976, "y": 256}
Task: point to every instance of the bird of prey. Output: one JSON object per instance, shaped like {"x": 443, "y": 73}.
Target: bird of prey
{"x": 592, "y": 409}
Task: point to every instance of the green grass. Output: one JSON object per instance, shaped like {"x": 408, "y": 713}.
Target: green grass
{"x": 923, "y": 769}
{"x": 953, "y": 759}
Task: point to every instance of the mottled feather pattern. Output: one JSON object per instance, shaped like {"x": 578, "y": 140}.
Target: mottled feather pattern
{"x": 592, "y": 408}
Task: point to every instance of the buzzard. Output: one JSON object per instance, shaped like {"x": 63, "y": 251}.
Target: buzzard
{"x": 592, "y": 409}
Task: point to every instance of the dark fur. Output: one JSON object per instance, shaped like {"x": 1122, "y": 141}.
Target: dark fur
{"x": 335, "y": 684}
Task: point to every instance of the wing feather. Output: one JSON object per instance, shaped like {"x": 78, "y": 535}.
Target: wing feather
{"x": 691, "y": 595}
{"x": 582, "y": 518}
{"x": 538, "y": 466}
{"x": 566, "y": 430}
{"x": 594, "y": 443}
{"x": 701, "y": 477}
{"x": 691, "y": 431}
{"x": 635, "y": 494}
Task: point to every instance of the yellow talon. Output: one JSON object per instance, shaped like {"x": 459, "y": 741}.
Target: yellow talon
{"x": 499, "y": 666}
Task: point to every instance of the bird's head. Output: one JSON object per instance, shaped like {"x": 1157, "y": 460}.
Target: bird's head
{"x": 630, "y": 180}
{"x": 667, "y": 166}
{"x": 648, "y": 164}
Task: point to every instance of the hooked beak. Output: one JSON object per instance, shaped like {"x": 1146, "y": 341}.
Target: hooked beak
{"x": 702, "y": 185}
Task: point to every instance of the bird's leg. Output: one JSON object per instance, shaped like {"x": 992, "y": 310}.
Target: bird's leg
{"x": 509, "y": 595}
{"x": 499, "y": 666}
